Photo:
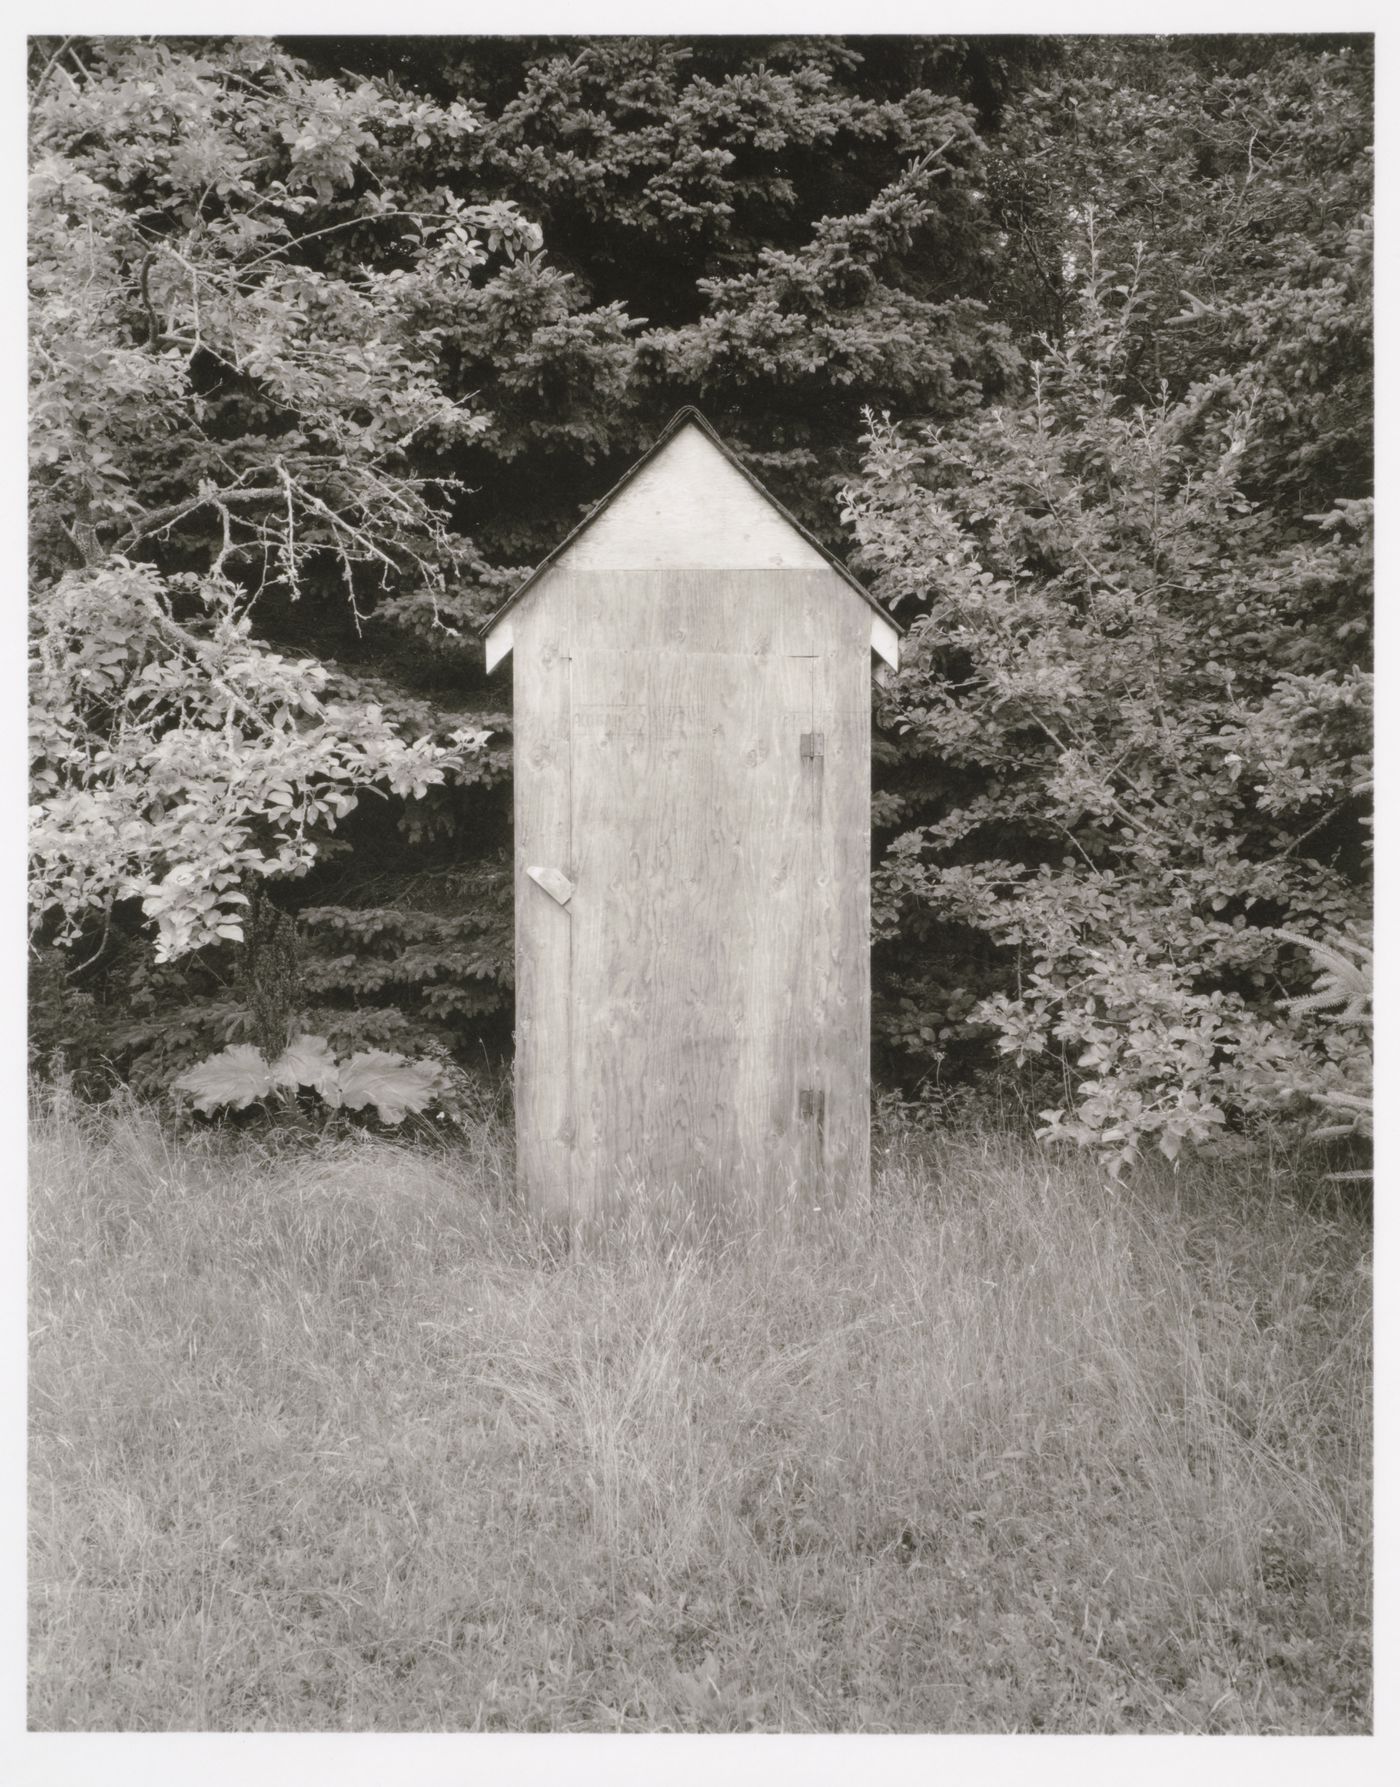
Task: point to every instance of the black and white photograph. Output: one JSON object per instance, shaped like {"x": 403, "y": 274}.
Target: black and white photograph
{"x": 699, "y": 968}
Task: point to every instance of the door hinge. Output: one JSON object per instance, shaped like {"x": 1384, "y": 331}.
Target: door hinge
{"x": 813, "y": 744}
{"x": 811, "y": 1103}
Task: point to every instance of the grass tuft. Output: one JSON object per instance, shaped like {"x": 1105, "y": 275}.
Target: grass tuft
{"x": 330, "y": 1438}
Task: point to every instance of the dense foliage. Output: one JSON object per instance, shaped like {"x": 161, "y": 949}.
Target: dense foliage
{"x": 815, "y": 240}
{"x": 780, "y": 230}
{"x": 1100, "y": 311}
{"x": 1135, "y": 717}
{"x": 228, "y": 410}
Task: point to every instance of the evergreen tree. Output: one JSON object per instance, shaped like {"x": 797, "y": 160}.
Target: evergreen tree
{"x": 782, "y": 230}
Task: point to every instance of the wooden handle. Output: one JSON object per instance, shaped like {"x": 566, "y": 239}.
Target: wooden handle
{"x": 558, "y": 886}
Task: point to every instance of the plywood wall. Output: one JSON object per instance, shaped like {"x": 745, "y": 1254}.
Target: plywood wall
{"x": 697, "y": 1012}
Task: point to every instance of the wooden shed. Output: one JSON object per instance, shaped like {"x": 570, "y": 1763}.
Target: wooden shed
{"x": 692, "y": 844}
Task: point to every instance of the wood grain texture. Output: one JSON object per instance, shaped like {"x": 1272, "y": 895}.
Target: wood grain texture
{"x": 690, "y": 507}
{"x": 716, "y": 947}
{"x": 840, "y": 903}
{"x": 558, "y": 886}
{"x": 543, "y": 1117}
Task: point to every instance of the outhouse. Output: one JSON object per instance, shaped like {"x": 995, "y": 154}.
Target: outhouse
{"x": 692, "y": 845}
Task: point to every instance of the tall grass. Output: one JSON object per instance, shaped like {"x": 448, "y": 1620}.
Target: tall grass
{"x": 331, "y": 1439}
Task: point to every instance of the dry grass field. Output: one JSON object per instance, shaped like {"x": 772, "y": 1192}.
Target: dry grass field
{"x": 327, "y": 1439}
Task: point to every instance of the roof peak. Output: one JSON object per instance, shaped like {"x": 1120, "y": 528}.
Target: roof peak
{"x": 720, "y": 525}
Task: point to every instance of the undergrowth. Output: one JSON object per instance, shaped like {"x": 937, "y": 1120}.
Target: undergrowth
{"x": 330, "y": 1438}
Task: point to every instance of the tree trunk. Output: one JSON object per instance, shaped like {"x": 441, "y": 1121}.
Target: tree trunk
{"x": 268, "y": 974}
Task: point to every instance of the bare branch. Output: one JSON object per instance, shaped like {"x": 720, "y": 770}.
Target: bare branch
{"x": 49, "y": 67}
{"x": 157, "y": 521}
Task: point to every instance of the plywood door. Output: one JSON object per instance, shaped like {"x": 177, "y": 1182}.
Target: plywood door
{"x": 716, "y": 941}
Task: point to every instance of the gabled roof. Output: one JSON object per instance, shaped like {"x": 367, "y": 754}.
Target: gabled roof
{"x": 690, "y": 416}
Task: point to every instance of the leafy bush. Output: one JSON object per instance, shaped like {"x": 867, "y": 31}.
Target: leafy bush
{"x": 1132, "y": 739}
{"x": 228, "y": 412}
